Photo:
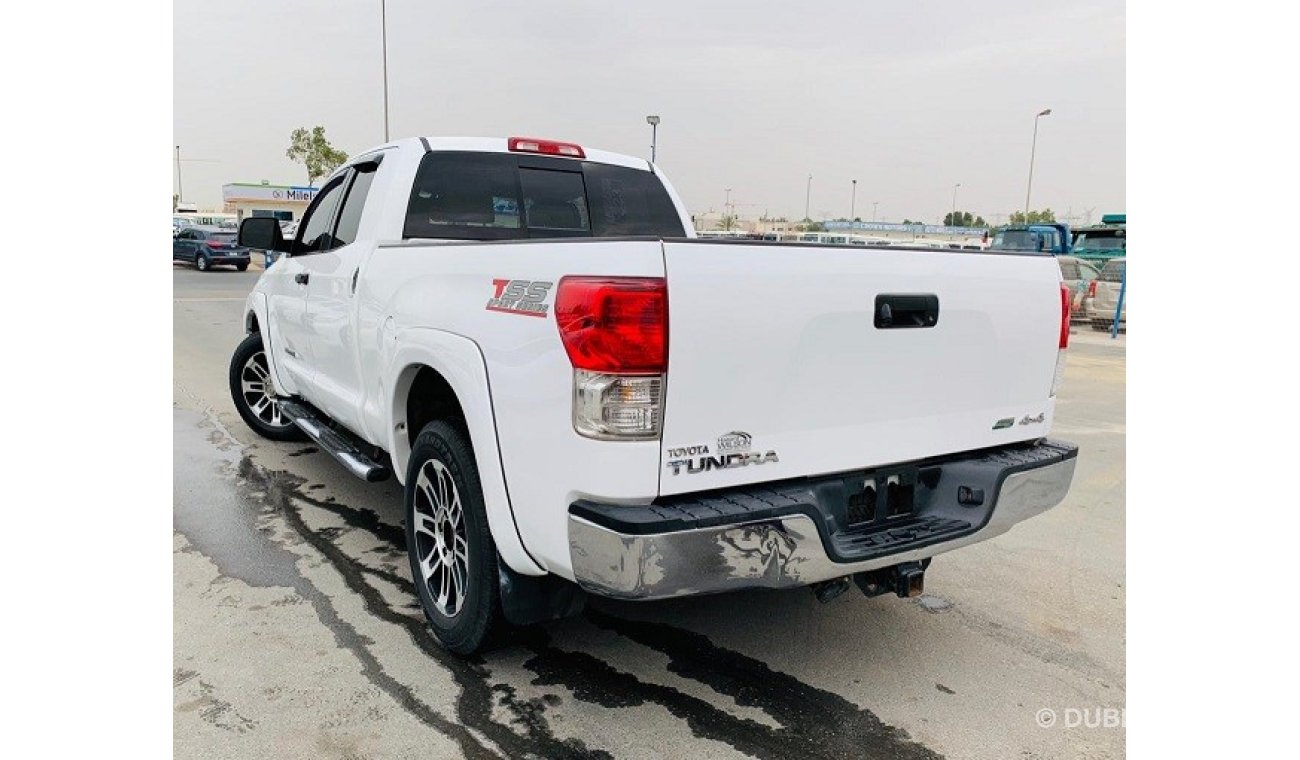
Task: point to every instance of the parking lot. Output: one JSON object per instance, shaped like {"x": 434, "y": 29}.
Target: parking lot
{"x": 296, "y": 632}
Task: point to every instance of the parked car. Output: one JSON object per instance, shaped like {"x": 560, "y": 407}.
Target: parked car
{"x": 205, "y": 247}
{"x": 488, "y": 320}
{"x": 1103, "y": 296}
{"x": 1077, "y": 275}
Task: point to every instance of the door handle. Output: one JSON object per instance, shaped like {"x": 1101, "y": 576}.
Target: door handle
{"x": 301, "y": 278}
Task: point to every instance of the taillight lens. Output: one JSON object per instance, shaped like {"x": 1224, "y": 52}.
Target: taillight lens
{"x": 1064, "y": 340}
{"x": 615, "y": 332}
{"x": 1065, "y": 316}
{"x": 216, "y": 244}
{"x": 1092, "y": 289}
{"x": 614, "y": 324}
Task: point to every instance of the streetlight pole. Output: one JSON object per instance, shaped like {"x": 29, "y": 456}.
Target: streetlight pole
{"x": 383, "y": 27}
{"x": 180, "y": 188}
{"x": 807, "y": 200}
{"x": 853, "y": 202}
{"x": 653, "y": 121}
{"x": 953, "y": 218}
{"x": 726, "y": 208}
{"x": 1032, "y": 148}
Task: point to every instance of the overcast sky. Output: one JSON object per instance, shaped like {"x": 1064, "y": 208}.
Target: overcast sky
{"x": 909, "y": 97}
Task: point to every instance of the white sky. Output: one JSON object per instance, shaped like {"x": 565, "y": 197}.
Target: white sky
{"x": 909, "y": 97}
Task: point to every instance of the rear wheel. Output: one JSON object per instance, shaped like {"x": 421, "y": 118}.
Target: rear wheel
{"x": 241, "y": 267}
{"x": 202, "y": 262}
{"x": 254, "y": 393}
{"x": 453, "y": 557}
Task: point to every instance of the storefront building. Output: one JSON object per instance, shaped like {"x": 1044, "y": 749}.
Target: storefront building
{"x": 283, "y": 202}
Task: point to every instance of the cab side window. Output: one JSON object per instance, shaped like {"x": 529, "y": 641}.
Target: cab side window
{"x": 314, "y": 231}
{"x": 350, "y": 214}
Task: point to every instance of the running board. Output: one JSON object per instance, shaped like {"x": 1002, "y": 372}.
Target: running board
{"x": 344, "y": 446}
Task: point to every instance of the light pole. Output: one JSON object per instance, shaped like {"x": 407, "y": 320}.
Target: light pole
{"x": 180, "y": 189}
{"x": 807, "y": 198}
{"x": 383, "y": 31}
{"x": 653, "y": 121}
{"x": 853, "y": 201}
{"x": 726, "y": 208}
{"x": 953, "y": 218}
{"x": 1033, "y": 147}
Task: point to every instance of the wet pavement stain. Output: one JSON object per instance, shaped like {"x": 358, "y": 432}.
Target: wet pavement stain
{"x": 813, "y": 722}
{"x": 476, "y": 700}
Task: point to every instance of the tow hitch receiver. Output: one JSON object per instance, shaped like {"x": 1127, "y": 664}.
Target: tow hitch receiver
{"x": 906, "y": 580}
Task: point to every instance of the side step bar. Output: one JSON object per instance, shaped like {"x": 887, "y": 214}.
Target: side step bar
{"x": 344, "y": 446}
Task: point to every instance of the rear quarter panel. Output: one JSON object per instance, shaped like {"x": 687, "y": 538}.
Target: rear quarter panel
{"x": 546, "y": 465}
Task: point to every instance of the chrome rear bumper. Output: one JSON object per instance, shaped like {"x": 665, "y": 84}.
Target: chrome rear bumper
{"x": 777, "y": 552}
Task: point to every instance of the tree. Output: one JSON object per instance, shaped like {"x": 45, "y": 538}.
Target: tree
{"x": 809, "y": 225}
{"x": 1035, "y": 217}
{"x": 963, "y": 219}
{"x": 313, "y": 151}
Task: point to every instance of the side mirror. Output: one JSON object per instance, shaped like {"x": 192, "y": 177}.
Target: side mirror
{"x": 262, "y": 233}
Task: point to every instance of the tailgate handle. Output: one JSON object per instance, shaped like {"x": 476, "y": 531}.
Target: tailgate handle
{"x": 906, "y": 310}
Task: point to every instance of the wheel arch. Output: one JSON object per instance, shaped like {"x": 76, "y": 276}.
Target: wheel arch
{"x": 439, "y": 375}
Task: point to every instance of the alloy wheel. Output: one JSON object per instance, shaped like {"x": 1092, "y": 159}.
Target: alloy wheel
{"x": 259, "y": 392}
{"x": 441, "y": 546}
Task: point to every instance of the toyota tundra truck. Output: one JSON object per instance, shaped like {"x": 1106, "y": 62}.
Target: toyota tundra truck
{"x": 580, "y": 396}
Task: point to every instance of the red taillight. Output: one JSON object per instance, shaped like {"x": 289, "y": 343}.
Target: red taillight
{"x": 216, "y": 244}
{"x": 1065, "y": 316}
{"x": 617, "y": 325}
{"x": 1092, "y": 289}
{"x": 546, "y": 147}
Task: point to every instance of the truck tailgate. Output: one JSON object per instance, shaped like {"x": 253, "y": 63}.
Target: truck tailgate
{"x": 777, "y": 367}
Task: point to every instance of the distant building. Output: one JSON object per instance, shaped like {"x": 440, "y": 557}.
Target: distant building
{"x": 284, "y": 202}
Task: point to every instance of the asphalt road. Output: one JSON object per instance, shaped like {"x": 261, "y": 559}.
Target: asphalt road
{"x": 296, "y": 632}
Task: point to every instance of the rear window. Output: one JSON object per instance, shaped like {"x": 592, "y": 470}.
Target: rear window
{"x": 223, "y": 237}
{"x": 499, "y": 196}
{"x": 1113, "y": 271}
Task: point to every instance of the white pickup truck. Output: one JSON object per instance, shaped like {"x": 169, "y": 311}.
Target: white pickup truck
{"x": 580, "y": 396}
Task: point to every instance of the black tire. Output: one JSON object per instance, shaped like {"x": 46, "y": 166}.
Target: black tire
{"x": 263, "y": 420}
{"x": 202, "y": 263}
{"x": 242, "y": 267}
{"x": 477, "y": 618}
